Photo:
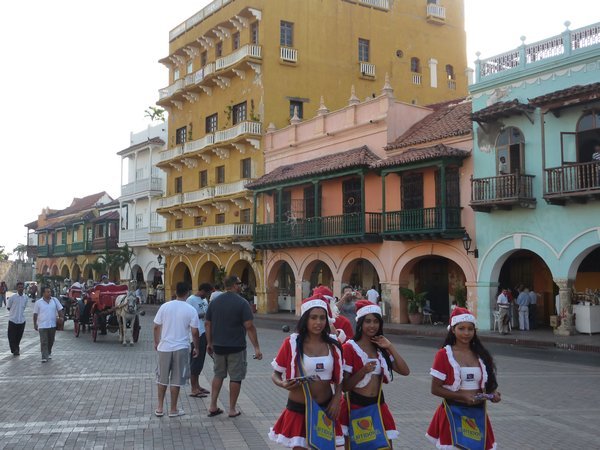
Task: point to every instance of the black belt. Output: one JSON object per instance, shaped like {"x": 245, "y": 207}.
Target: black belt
{"x": 468, "y": 405}
{"x": 361, "y": 400}
{"x": 300, "y": 408}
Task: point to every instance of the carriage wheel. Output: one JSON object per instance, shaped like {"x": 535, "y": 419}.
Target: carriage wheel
{"x": 94, "y": 326}
{"x": 136, "y": 329}
{"x": 76, "y": 325}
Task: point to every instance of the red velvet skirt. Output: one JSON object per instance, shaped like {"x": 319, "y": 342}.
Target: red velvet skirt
{"x": 388, "y": 420}
{"x": 439, "y": 431}
{"x": 290, "y": 429}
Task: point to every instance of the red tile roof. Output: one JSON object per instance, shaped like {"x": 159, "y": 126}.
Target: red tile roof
{"x": 448, "y": 119}
{"x": 422, "y": 154}
{"x": 80, "y": 204}
{"x": 358, "y": 157}
{"x": 580, "y": 93}
{"x": 82, "y": 217}
{"x": 501, "y": 109}
{"x": 113, "y": 215}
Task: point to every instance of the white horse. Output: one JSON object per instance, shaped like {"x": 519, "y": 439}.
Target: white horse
{"x": 126, "y": 310}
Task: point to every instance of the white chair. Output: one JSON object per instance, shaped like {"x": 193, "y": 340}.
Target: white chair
{"x": 427, "y": 318}
{"x": 496, "y": 321}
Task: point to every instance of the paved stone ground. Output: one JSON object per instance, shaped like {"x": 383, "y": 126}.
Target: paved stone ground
{"x": 101, "y": 395}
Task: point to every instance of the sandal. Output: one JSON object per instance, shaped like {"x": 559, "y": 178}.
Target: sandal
{"x": 199, "y": 395}
{"x": 215, "y": 413}
{"x": 158, "y": 413}
{"x": 181, "y": 412}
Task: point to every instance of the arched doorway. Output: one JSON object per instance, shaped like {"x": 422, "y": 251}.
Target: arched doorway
{"x": 588, "y": 272}
{"x": 525, "y": 268}
{"x": 361, "y": 274}
{"x": 244, "y": 271}
{"x": 64, "y": 272}
{"x": 181, "y": 273}
{"x": 282, "y": 295}
{"x": 88, "y": 273}
{"x": 137, "y": 274}
{"x": 76, "y": 273}
{"x": 208, "y": 273}
{"x": 315, "y": 274}
{"x": 54, "y": 271}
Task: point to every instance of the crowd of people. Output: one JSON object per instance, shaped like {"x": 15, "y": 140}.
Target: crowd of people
{"x": 522, "y": 306}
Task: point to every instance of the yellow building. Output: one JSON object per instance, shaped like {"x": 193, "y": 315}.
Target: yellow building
{"x": 238, "y": 66}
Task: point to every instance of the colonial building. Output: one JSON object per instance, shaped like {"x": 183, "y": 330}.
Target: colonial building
{"x": 372, "y": 194}
{"x": 142, "y": 186}
{"x": 536, "y": 186}
{"x": 70, "y": 240}
{"x": 237, "y": 66}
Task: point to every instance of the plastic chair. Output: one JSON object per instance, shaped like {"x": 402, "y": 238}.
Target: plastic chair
{"x": 427, "y": 318}
{"x": 496, "y": 321}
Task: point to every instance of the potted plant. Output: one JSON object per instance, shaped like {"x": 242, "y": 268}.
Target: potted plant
{"x": 460, "y": 296}
{"x": 416, "y": 301}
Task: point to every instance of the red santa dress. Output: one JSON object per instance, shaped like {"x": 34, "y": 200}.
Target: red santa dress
{"x": 290, "y": 428}
{"x": 354, "y": 359}
{"x": 447, "y": 369}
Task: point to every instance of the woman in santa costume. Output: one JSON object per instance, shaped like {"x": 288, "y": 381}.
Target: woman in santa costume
{"x": 319, "y": 353}
{"x": 369, "y": 360}
{"x": 464, "y": 376}
{"x": 341, "y": 324}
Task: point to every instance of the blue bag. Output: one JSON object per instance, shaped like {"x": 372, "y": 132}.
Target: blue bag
{"x": 365, "y": 427}
{"x": 468, "y": 425}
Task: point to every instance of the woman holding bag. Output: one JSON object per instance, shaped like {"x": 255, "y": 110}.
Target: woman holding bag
{"x": 369, "y": 360}
{"x": 309, "y": 366}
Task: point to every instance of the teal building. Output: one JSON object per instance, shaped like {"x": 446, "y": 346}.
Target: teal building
{"x": 536, "y": 184}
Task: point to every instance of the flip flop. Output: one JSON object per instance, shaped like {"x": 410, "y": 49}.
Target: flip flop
{"x": 181, "y": 412}
{"x": 204, "y": 391}
{"x": 215, "y": 413}
{"x": 239, "y": 413}
{"x": 199, "y": 395}
{"x": 158, "y": 413}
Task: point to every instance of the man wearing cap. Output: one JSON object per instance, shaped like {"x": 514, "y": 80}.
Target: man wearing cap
{"x": 503, "y": 307}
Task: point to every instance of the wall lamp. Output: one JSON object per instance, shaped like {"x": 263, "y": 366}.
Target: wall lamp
{"x": 467, "y": 241}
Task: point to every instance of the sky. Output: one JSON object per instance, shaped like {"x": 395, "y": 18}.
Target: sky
{"x": 77, "y": 76}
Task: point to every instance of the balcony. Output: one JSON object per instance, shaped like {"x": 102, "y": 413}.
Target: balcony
{"x": 238, "y": 130}
{"x": 79, "y": 247}
{"x": 416, "y": 78}
{"x": 424, "y": 223}
{"x": 578, "y": 182}
{"x": 168, "y": 92}
{"x": 233, "y": 230}
{"x": 105, "y": 243}
{"x": 142, "y": 186}
{"x": 367, "y": 69}
{"x": 241, "y": 54}
{"x": 59, "y": 250}
{"x": 377, "y": 4}
{"x": 316, "y": 231}
{"x": 502, "y": 192}
{"x": 42, "y": 250}
{"x": 199, "y": 75}
{"x": 198, "y": 144}
{"x": 231, "y": 188}
{"x": 288, "y": 54}
{"x": 436, "y": 14}
{"x": 138, "y": 235}
{"x": 199, "y": 195}
{"x": 173, "y": 200}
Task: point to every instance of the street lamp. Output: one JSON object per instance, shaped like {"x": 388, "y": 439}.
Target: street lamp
{"x": 466, "y": 241}
{"x": 159, "y": 258}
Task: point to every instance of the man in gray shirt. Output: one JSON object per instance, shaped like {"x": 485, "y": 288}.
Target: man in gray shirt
{"x": 228, "y": 319}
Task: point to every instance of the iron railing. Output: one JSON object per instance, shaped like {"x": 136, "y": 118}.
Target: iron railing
{"x": 435, "y": 219}
{"x": 573, "y": 178}
{"x": 501, "y": 188}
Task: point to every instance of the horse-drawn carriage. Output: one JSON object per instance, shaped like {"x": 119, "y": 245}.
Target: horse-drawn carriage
{"x": 109, "y": 308}
{"x": 70, "y": 302}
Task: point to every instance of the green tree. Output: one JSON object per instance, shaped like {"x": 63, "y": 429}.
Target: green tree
{"x": 21, "y": 251}
{"x": 155, "y": 114}
{"x": 3, "y": 255}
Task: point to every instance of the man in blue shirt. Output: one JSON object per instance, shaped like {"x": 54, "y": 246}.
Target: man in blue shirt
{"x": 200, "y": 304}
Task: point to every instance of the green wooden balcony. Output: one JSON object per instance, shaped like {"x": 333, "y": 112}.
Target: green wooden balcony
{"x": 314, "y": 231}
{"x": 42, "y": 250}
{"x": 423, "y": 223}
{"x": 59, "y": 250}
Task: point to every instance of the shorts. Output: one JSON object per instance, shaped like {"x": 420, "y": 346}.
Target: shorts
{"x": 197, "y": 363}
{"x": 173, "y": 368}
{"x": 234, "y": 364}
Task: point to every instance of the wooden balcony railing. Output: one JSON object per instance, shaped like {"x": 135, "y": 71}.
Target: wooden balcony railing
{"x": 502, "y": 192}
{"x": 312, "y": 231}
{"x": 105, "y": 243}
{"x": 576, "y": 182}
{"x": 423, "y": 223}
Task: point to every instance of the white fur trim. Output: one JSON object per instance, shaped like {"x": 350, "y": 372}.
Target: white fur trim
{"x": 433, "y": 373}
{"x": 436, "y": 442}
{"x": 463, "y": 318}
{"x": 289, "y": 442}
{"x": 392, "y": 434}
{"x": 342, "y": 336}
{"x": 370, "y": 309}
{"x": 316, "y": 303}
{"x": 294, "y": 347}
{"x": 347, "y": 368}
{"x": 277, "y": 368}
{"x": 364, "y": 358}
{"x": 455, "y": 367}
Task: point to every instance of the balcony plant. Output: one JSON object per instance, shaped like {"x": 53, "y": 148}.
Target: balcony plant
{"x": 416, "y": 301}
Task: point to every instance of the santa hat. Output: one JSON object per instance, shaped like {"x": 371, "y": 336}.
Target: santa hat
{"x": 316, "y": 301}
{"x": 325, "y": 293}
{"x": 459, "y": 315}
{"x": 364, "y": 307}
{"x": 322, "y": 290}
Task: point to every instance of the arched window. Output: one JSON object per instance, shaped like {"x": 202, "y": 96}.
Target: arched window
{"x": 510, "y": 154}
{"x": 415, "y": 65}
{"x": 588, "y": 136}
{"x": 450, "y": 71}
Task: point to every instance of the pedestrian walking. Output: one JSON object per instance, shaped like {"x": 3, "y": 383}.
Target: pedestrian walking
{"x": 45, "y": 312}
{"x": 369, "y": 361}
{"x": 533, "y": 298}
{"x": 217, "y": 291}
{"x": 3, "y": 291}
{"x": 523, "y": 304}
{"x": 464, "y": 376}
{"x": 228, "y": 320}
{"x": 309, "y": 366}
{"x": 16, "y": 305}
{"x": 503, "y": 309}
{"x": 200, "y": 304}
{"x": 373, "y": 295}
{"x": 173, "y": 323}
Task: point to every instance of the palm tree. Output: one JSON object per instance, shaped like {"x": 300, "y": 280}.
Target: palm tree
{"x": 114, "y": 261}
{"x": 21, "y": 251}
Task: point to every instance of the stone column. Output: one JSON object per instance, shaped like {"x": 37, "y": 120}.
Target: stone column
{"x": 400, "y": 307}
{"x": 566, "y": 327}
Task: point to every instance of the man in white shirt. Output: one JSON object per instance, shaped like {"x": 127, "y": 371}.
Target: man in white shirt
{"x": 16, "y": 318}
{"x": 172, "y": 326}
{"x": 200, "y": 304}
{"x": 523, "y": 302}
{"x": 218, "y": 291}
{"x": 45, "y": 311}
{"x": 503, "y": 305}
{"x": 373, "y": 295}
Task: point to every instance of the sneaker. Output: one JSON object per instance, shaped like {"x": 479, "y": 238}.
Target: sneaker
{"x": 49, "y": 356}
{"x": 44, "y": 360}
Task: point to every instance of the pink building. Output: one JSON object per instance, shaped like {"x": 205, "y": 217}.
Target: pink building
{"x": 370, "y": 195}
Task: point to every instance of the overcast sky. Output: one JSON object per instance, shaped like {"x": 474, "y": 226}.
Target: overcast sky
{"x": 78, "y": 75}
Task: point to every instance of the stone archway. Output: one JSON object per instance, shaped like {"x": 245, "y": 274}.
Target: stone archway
{"x": 88, "y": 273}
{"x": 360, "y": 274}
{"x": 180, "y": 273}
{"x": 137, "y": 274}
{"x": 76, "y": 272}
{"x": 281, "y": 295}
{"x": 54, "y": 271}
{"x": 317, "y": 272}
{"x": 208, "y": 273}
{"x": 65, "y": 272}
{"x": 245, "y": 272}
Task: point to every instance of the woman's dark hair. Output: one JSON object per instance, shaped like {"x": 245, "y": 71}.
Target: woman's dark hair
{"x": 302, "y": 330}
{"x": 358, "y": 334}
{"x": 478, "y": 348}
